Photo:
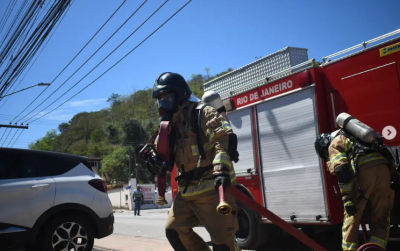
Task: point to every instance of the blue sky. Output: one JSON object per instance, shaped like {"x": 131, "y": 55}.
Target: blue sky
{"x": 208, "y": 33}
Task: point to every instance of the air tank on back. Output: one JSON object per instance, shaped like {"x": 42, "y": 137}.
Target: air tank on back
{"x": 356, "y": 128}
{"x": 213, "y": 99}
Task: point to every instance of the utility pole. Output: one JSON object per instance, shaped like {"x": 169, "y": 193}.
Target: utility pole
{"x": 130, "y": 163}
{"x": 14, "y": 126}
{"x": 136, "y": 168}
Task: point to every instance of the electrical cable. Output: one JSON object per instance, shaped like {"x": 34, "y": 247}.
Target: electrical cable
{"x": 4, "y": 15}
{"x": 34, "y": 42}
{"x": 83, "y": 63}
{"x": 12, "y": 42}
{"x": 9, "y": 117}
{"x": 15, "y": 32}
{"x": 115, "y": 63}
{"x": 13, "y": 136}
{"x": 17, "y": 138}
{"x": 6, "y": 137}
{"x": 7, "y": 16}
{"x": 17, "y": 16}
{"x": 91, "y": 40}
{"x": 4, "y": 133}
{"x": 33, "y": 63}
{"x": 103, "y": 59}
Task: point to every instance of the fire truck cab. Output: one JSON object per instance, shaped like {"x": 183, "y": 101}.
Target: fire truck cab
{"x": 278, "y": 105}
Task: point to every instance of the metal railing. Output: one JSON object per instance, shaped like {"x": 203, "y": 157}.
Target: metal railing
{"x": 363, "y": 44}
{"x": 269, "y": 78}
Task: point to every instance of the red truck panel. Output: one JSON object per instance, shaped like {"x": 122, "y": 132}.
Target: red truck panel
{"x": 367, "y": 87}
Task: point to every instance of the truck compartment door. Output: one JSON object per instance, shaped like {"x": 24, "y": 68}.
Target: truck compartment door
{"x": 241, "y": 125}
{"x": 293, "y": 179}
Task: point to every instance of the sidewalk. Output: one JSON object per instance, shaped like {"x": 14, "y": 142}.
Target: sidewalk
{"x": 144, "y": 211}
{"x": 131, "y": 243}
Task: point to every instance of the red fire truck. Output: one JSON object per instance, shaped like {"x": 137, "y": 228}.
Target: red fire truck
{"x": 277, "y": 117}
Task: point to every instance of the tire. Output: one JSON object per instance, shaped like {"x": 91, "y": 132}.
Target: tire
{"x": 252, "y": 234}
{"x": 70, "y": 231}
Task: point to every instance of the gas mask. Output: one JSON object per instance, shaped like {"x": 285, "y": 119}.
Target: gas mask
{"x": 168, "y": 103}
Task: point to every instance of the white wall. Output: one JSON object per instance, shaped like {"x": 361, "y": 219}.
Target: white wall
{"x": 118, "y": 197}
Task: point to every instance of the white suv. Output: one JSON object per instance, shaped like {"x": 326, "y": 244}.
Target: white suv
{"x": 52, "y": 201}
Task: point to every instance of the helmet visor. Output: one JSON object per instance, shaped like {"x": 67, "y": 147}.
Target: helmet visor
{"x": 167, "y": 102}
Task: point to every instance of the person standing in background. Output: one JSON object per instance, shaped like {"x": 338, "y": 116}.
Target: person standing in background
{"x": 138, "y": 199}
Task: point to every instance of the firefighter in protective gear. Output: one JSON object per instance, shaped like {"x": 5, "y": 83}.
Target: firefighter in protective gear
{"x": 199, "y": 177}
{"x": 364, "y": 181}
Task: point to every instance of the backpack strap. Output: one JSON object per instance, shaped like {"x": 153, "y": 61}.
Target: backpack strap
{"x": 197, "y": 123}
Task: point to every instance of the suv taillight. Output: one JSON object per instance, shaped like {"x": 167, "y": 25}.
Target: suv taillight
{"x": 99, "y": 185}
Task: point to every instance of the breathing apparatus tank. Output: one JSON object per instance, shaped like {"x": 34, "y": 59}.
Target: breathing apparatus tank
{"x": 356, "y": 128}
{"x": 213, "y": 99}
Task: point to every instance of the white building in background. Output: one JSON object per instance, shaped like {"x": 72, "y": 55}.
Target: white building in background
{"x": 122, "y": 197}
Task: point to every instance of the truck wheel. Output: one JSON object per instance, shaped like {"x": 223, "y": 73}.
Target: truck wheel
{"x": 70, "y": 232}
{"x": 252, "y": 234}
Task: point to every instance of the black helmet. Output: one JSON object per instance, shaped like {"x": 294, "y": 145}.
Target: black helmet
{"x": 322, "y": 144}
{"x": 172, "y": 82}
{"x": 176, "y": 89}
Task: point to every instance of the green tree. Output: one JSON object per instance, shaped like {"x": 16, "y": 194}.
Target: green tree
{"x": 47, "y": 143}
{"x": 208, "y": 72}
{"x": 116, "y": 165}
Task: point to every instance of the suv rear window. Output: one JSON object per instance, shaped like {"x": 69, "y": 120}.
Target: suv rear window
{"x": 15, "y": 164}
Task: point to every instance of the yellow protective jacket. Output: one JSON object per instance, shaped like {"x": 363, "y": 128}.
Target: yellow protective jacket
{"x": 340, "y": 152}
{"x": 215, "y": 137}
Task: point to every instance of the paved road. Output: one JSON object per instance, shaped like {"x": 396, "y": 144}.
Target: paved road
{"x": 150, "y": 228}
{"x": 151, "y": 225}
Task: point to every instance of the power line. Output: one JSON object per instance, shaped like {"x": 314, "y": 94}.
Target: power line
{"x": 82, "y": 64}
{"x": 13, "y": 136}
{"x": 4, "y": 15}
{"x": 36, "y": 39}
{"x": 104, "y": 58}
{"x": 17, "y": 138}
{"x": 9, "y": 116}
{"x": 3, "y": 134}
{"x": 7, "y": 137}
{"x": 116, "y": 62}
{"x": 48, "y": 40}
{"x": 64, "y": 67}
{"x": 26, "y": 73}
{"x": 7, "y": 15}
{"x": 92, "y": 39}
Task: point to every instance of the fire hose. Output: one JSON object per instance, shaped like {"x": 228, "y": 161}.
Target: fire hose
{"x": 271, "y": 216}
{"x": 224, "y": 208}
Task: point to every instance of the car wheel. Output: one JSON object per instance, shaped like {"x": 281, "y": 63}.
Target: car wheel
{"x": 71, "y": 233}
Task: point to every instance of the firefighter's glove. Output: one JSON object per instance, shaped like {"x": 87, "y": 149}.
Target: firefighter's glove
{"x": 350, "y": 208}
{"x": 223, "y": 180}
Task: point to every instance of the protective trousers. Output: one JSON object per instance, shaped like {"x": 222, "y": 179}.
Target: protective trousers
{"x": 375, "y": 181}
{"x": 186, "y": 214}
